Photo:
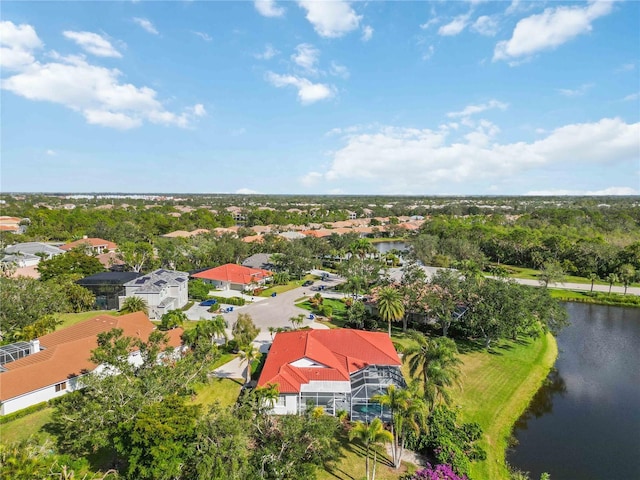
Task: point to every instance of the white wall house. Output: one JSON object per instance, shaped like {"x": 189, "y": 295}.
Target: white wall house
{"x": 339, "y": 369}
{"x": 52, "y": 366}
{"x": 163, "y": 290}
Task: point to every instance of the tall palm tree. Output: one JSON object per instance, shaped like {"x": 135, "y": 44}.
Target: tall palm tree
{"x": 611, "y": 279}
{"x": 135, "y": 304}
{"x": 407, "y": 410}
{"x": 437, "y": 362}
{"x": 248, "y": 354}
{"x": 390, "y": 306}
{"x": 370, "y": 435}
{"x": 593, "y": 277}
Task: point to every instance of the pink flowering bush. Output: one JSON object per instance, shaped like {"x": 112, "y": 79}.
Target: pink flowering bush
{"x": 439, "y": 472}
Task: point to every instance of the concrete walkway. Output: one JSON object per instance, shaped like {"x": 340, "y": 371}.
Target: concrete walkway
{"x": 583, "y": 287}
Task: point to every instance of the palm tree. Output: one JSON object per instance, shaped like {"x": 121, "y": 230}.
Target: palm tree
{"x": 626, "y": 274}
{"x": 248, "y": 354}
{"x": 407, "y": 409}
{"x": 268, "y": 394}
{"x": 593, "y": 277}
{"x": 437, "y": 361}
{"x": 297, "y": 321}
{"x": 390, "y": 306}
{"x": 134, "y": 304}
{"x": 371, "y": 435}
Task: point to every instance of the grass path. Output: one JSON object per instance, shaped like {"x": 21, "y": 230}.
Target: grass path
{"x": 497, "y": 388}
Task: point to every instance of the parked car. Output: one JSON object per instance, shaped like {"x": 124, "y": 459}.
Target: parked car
{"x": 208, "y": 303}
{"x": 307, "y": 283}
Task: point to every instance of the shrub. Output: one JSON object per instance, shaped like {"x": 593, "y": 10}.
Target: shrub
{"x": 199, "y": 289}
{"x": 236, "y": 301}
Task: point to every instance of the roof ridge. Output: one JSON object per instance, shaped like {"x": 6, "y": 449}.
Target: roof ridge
{"x": 358, "y": 333}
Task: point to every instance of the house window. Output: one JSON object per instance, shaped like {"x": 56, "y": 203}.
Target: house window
{"x": 280, "y": 402}
{"x": 61, "y": 386}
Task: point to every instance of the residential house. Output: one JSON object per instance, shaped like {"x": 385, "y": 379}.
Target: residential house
{"x": 259, "y": 261}
{"x": 234, "y": 277}
{"x": 53, "y": 365}
{"x": 338, "y": 369}
{"x": 29, "y": 254}
{"x": 97, "y": 245}
{"x": 11, "y": 224}
{"x": 163, "y": 290}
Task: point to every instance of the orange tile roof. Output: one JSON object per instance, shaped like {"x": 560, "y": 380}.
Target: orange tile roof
{"x": 9, "y": 228}
{"x": 92, "y": 242}
{"x": 341, "y": 351}
{"x": 234, "y": 274}
{"x": 66, "y": 353}
{"x": 5, "y": 219}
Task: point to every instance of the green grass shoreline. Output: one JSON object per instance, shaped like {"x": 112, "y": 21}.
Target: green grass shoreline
{"x": 497, "y": 388}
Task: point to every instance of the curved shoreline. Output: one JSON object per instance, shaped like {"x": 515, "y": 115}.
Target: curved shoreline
{"x": 497, "y": 389}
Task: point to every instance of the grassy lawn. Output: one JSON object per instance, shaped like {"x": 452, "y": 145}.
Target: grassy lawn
{"x": 222, "y": 390}
{"x": 497, "y": 387}
{"x": 339, "y": 315}
{"x": 532, "y": 274}
{"x": 351, "y": 465}
{"x": 24, "y": 427}
{"x": 289, "y": 286}
{"x": 69, "y": 319}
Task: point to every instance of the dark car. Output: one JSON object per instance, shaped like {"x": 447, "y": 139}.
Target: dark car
{"x": 308, "y": 283}
{"x": 208, "y": 303}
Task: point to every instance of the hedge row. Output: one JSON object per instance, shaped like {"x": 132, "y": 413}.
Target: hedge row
{"x": 229, "y": 301}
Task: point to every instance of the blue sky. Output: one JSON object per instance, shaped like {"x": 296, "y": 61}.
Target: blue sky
{"x": 329, "y": 97}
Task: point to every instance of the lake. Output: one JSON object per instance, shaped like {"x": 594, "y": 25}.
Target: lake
{"x": 585, "y": 422}
{"x": 384, "y": 247}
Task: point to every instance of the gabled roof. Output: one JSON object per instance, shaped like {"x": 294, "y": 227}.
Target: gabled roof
{"x": 66, "y": 353}
{"x": 92, "y": 242}
{"x": 33, "y": 248}
{"x": 342, "y": 351}
{"x": 234, "y": 274}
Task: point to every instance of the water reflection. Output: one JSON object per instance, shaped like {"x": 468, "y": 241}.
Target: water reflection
{"x": 542, "y": 402}
{"x": 585, "y": 422}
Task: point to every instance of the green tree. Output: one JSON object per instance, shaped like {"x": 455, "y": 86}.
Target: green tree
{"x": 612, "y": 278}
{"x": 92, "y": 418}
{"x": 134, "y": 304}
{"x": 156, "y": 442}
{"x": 297, "y": 321}
{"x": 407, "y": 410}
{"x": 592, "y": 278}
{"x": 244, "y": 330}
{"x": 71, "y": 262}
{"x": 552, "y": 272}
{"x": 390, "y": 307}
{"x": 356, "y": 315}
{"x": 172, "y": 319}
{"x": 370, "y": 435}
{"x": 436, "y": 361}
{"x": 627, "y": 275}
{"x": 199, "y": 289}
{"x": 248, "y": 354}
{"x": 137, "y": 256}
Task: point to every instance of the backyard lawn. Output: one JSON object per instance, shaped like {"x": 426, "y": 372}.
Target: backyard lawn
{"x": 69, "y": 319}
{"x": 222, "y": 390}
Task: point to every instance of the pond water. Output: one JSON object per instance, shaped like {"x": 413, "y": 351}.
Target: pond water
{"x": 384, "y": 247}
{"x": 585, "y": 422}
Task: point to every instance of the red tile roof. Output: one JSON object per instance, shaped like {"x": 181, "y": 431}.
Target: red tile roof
{"x": 341, "y": 351}
{"x": 66, "y": 353}
{"x": 92, "y": 242}
{"x": 234, "y": 273}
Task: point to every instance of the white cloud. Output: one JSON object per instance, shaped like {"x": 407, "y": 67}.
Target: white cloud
{"x": 17, "y": 43}
{"x": 428, "y": 53}
{"x": 432, "y": 21}
{"x": 338, "y": 70}
{"x": 485, "y": 25}
{"x": 627, "y": 67}
{"x": 473, "y": 109}
{"x": 550, "y": 29}
{"x": 51, "y": 153}
{"x": 331, "y": 18}
{"x": 632, "y": 98}
{"x": 246, "y": 191}
{"x": 311, "y": 178}
{"x": 306, "y": 56}
{"x": 308, "y": 92}
{"x": 455, "y": 26}
{"x": 93, "y": 43}
{"x": 268, "y": 8}
{"x": 268, "y": 53}
{"x": 367, "y": 33}
{"x": 410, "y": 159}
{"x": 605, "y": 191}
{"x": 94, "y": 91}
{"x": 146, "y": 25}
{"x": 204, "y": 36}
{"x": 576, "y": 92}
